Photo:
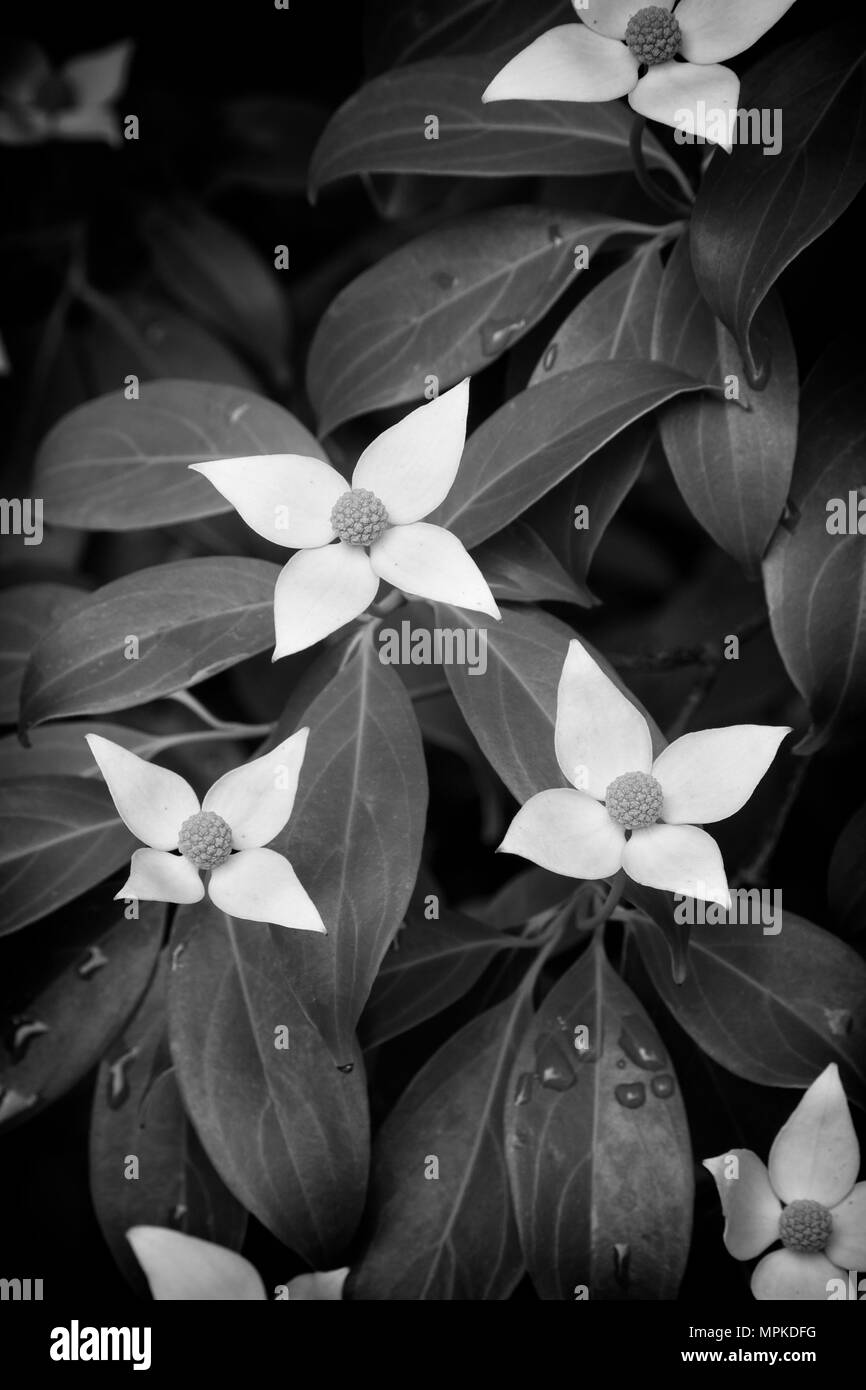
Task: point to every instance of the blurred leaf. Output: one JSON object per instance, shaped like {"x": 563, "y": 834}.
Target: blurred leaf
{"x": 65, "y": 1003}
{"x": 732, "y": 459}
{"x": 821, "y": 639}
{"x": 600, "y": 485}
{"x": 775, "y": 1009}
{"x": 286, "y": 1129}
{"x": 190, "y": 619}
{"x": 266, "y": 143}
{"x": 446, "y": 304}
{"x": 431, "y": 963}
{"x": 511, "y": 710}
{"x": 117, "y": 464}
{"x": 614, "y": 320}
{"x": 385, "y": 128}
{"x": 218, "y": 277}
{"x": 543, "y": 434}
{"x": 445, "y": 1230}
{"x": 137, "y": 1113}
{"x": 64, "y": 745}
{"x": 598, "y": 1145}
{"x": 400, "y": 34}
{"x": 755, "y": 214}
{"x": 520, "y": 568}
{"x": 354, "y": 838}
{"x": 27, "y": 610}
{"x": 846, "y": 886}
{"x": 61, "y": 835}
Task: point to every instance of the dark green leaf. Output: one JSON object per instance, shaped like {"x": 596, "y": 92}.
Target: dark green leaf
{"x": 286, "y": 1129}
{"x": 821, "y": 639}
{"x": 396, "y": 34}
{"x": 190, "y": 619}
{"x": 28, "y": 611}
{"x": 598, "y": 1145}
{"x": 757, "y": 212}
{"x": 846, "y": 885}
{"x": 117, "y": 464}
{"x": 440, "y": 1213}
{"x": 445, "y": 305}
{"x": 64, "y": 745}
{"x": 61, "y": 835}
{"x": 774, "y": 1008}
{"x": 520, "y": 568}
{"x": 63, "y": 1009}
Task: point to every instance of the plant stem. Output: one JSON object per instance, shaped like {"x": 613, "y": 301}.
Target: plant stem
{"x": 617, "y": 885}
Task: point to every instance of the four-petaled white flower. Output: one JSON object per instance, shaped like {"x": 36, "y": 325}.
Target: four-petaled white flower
{"x": 812, "y": 1170}
{"x": 241, "y": 813}
{"x": 39, "y": 102}
{"x": 306, "y": 504}
{"x": 182, "y": 1267}
{"x": 603, "y": 744}
{"x": 601, "y": 59}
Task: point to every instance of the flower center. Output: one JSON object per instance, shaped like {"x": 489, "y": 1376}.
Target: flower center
{"x": 805, "y": 1227}
{"x": 653, "y": 35}
{"x": 205, "y": 840}
{"x": 359, "y": 517}
{"x": 634, "y": 800}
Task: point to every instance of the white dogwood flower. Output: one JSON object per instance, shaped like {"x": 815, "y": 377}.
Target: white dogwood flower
{"x": 307, "y": 505}
{"x": 601, "y": 59}
{"x": 182, "y": 1267}
{"x": 74, "y": 102}
{"x": 226, "y": 835}
{"x": 807, "y": 1197}
{"x": 631, "y": 812}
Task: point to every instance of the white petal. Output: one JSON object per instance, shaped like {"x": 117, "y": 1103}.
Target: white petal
{"x": 815, "y": 1155}
{"x": 696, "y": 100}
{"x": 847, "y": 1246}
{"x": 428, "y": 561}
{"x": 568, "y": 833}
{"x": 152, "y": 801}
{"x": 569, "y": 63}
{"x": 286, "y": 498}
{"x": 599, "y": 733}
{"x": 412, "y": 466}
{"x": 678, "y": 859}
{"x": 256, "y": 800}
{"x": 611, "y": 16}
{"x": 318, "y": 591}
{"x": 97, "y": 78}
{"x": 259, "y": 885}
{"x": 178, "y": 1266}
{"x": 709, "y": 775}
{"x": 714, "y": 30}
{"x": 325, "y": 1286}
{"x": 751, "y": 1207}
{"x": 785, "y": 1275}
{"x": 87, "y": 123}
{"x": 159, "y": 877}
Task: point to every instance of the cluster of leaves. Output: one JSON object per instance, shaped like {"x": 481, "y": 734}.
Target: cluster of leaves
{"x": 655, "y": 425}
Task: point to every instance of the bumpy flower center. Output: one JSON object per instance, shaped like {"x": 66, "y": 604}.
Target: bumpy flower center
{"x": 205, "y": 840}
{"x": 653, "y": 35}
{"x": 359, "y": 517}
{"x": 634, "y": 800}
{"x": 805, "y": 1227}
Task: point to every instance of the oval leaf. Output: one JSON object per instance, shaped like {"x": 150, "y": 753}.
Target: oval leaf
{"x": 28, "y": 610}
{"x": 189, "y": 620}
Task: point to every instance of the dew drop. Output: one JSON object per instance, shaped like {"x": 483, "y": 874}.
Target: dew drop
{"x": 663, "y": 1086}
{"x": 22, "y": 1032}
{"x": 177, "y": 1215}
{"x": 93, "y": 961}
{"x": 550, "y": 357}
{"x": 444, "y": 279}
{"x": 790, "y": 518}
{"x": 640, "y": 1045}
{"x": 631, "y": 1094}
{"x": 346, "y": 1067}
{"x": 523, "y": 1089}
{"x": 552, "y": 1065}
{"x": 555, "y": 235}
{"x": 118, "y": 1078}
{"x": 621, "y": 1063}
{"x": 499, "y": 334}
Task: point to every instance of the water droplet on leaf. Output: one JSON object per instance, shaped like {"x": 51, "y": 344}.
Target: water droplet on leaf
{"x": 22, "y": 1032}
{"x": 12, "y": 1102}
{"x": 523, "y": 1089}
{"x": 444, "y": 279}
{"x": 346, "y": 1067}
{"x": 118, "y": 1078}
{"x": 663, "y": 1086}
{"x": 631, "y": 1094}
{"x": 550, "y": 357}
{"x": 93, "y": 961}
{"x": 552, "y": 1065}
{"x": 640, "y": 1045}
{"x": 499, "y": 334}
